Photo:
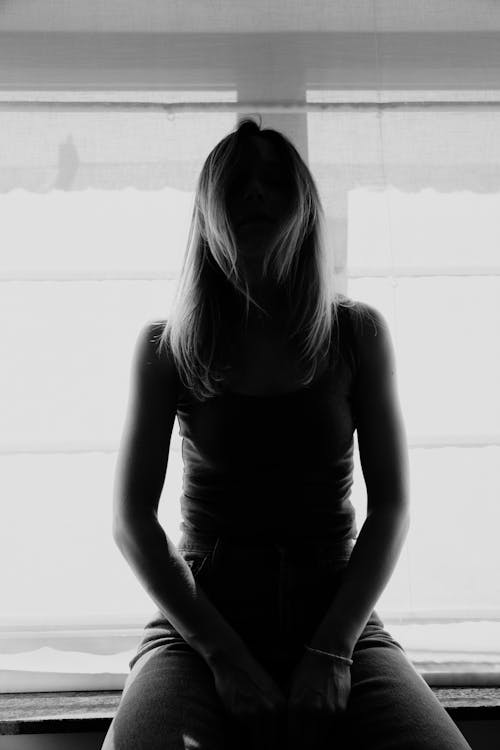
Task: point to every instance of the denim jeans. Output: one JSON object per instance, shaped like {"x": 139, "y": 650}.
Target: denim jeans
{"x": 274, "y": 594}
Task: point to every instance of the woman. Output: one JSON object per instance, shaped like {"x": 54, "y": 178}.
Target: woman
{"x": 265, "y": 634}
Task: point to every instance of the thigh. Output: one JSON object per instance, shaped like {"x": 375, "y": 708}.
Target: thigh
{"x": 169, "y": 701}
{"x": 390, "y": 705}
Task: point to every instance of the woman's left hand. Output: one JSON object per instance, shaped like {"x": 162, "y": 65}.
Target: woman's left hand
{"x": 318, "y": 694}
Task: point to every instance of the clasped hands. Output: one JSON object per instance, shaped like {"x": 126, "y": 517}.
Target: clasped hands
{"x": 318, "y": 692}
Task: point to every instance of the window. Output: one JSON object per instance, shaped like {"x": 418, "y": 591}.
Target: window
{"x": 96, "y": 203}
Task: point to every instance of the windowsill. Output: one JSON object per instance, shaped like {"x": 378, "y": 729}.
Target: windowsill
{"x": 92, "y": 711}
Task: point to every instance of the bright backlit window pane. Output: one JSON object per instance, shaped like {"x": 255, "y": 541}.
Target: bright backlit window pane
{"x": 87, "y": 262}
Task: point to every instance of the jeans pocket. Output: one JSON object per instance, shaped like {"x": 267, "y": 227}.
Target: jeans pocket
{"x": 196, "y": 559}
{"x": 199, "y": 555}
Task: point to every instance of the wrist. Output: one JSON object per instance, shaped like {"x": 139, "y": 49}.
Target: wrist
{"x": 331, "y": 654}
{"x": 222, "y": 656}
{"x": 341, "y": 649}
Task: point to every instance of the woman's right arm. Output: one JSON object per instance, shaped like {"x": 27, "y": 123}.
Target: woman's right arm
{"x": 169, "y": 581}
{"x": 246, "y": 690}
{"x": 139, "y": 478}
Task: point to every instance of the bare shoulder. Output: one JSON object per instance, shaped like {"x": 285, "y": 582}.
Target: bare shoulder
{"x": 372, "y": 335}
{"x": 153, "y": 352}
{"x": 366, "y": 318}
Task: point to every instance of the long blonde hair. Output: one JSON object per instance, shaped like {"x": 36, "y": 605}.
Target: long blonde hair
{"x": 211, "y": 287}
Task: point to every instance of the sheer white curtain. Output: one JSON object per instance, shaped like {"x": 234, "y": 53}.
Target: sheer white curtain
{"x": 104, "y": 130}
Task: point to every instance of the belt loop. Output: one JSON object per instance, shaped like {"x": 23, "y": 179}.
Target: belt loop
{"x": 214, "y": 550}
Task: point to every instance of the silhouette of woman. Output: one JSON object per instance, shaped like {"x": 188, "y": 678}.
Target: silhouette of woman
{"x": 265, "y": 633}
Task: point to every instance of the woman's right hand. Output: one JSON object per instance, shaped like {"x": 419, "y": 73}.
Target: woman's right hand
{"x": 253, "y": 699}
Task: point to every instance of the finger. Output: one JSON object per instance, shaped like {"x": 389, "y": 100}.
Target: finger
{"x": 251, "y": 733}
{"x": 277, "y": 733}
{"x": 329, "y": 728}
{"x": 295, "y": 731}
{"x": 323, "y": 731}
{"x": 305, "y": 732}
{"x": 312, "y": 731}
{"x": 262, "y": 732}
{"x": 284, "y": 732}
{"x": 242, "y": 733}
{"x": 255, "y": 733}
{"x": 269, "y": 730}
{"x": 290, "y": 729}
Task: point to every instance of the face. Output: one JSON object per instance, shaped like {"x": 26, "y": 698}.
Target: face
{"x": 258, "y": 197}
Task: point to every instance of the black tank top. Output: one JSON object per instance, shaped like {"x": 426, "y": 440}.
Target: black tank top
{"x": 274, "y": 466}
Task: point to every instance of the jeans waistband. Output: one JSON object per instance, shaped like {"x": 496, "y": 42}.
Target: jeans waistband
{"x": 204, "y": 541}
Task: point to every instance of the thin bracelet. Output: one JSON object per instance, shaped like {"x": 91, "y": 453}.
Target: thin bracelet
{"x": 335, "y": 656}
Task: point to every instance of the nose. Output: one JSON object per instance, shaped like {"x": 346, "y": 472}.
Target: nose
{"x": 254, "y": 195}
{"x": 254, "y": 187}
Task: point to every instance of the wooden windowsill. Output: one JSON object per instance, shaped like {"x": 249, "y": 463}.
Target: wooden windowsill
{"x": 92, "y": 711}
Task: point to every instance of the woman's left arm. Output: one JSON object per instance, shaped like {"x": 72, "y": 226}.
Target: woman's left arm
{"x": 384, "y": 460}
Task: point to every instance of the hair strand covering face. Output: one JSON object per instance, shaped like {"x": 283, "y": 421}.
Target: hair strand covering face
{"x": 211, "y": 286}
